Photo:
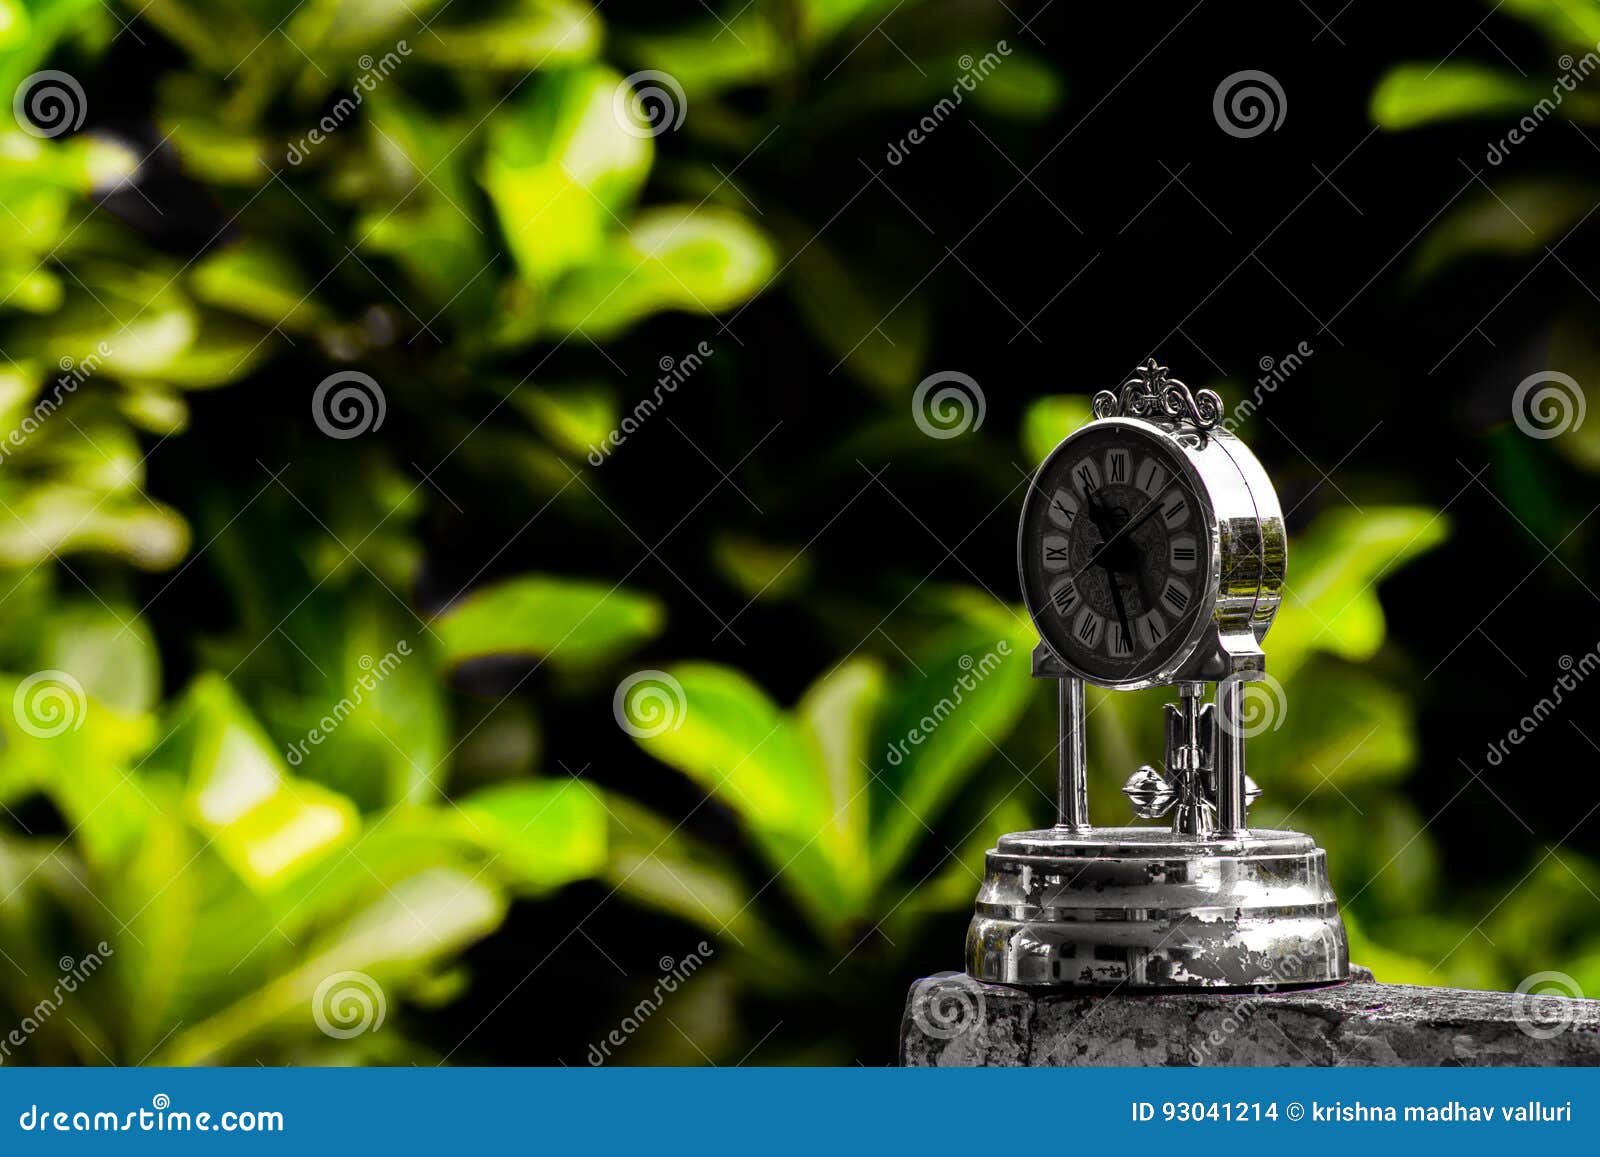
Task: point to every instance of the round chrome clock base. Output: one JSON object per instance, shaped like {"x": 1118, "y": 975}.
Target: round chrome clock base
{"x": 1145, "y": 907}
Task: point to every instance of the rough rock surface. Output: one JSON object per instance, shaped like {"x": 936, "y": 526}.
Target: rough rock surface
{"x": 953, "y": 1020}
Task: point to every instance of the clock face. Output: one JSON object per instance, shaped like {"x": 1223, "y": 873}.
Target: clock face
{"x": 1116, "y": 553}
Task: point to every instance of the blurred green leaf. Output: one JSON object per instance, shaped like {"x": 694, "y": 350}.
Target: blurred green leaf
{"x": 741, "y": 748}
{"x": 827, "y": 18}
{"x": 837, "y": 713}
{"x": 78, "y": 164}
{"x": 139, "y": 339}
{"x": 761, "y": 570}
{"x": 1519, "y": 218}
{"x": 267, "y": 825}
{"x": 53, "y": 724}
{"x": 335, "y": 31}
{"x": 1389, "y": 966}
{"x": 223, "y": 351}
{"x": 1566, "y": 882}
{"x": 942, "y": 723}
{"x": 1390, "y": 863}
{"x": 1563, "y": 20}
{"x": 419, "y": 920}
{"x": 539, "y": 834}
{"x": 1339, "y": 729}
{"x": 568, "y": 622}
{"x": 514, "y": 34}
{"x": 575, "y": 418}
{"x": 428, "y": 225}
{"x": 52, "y": 519}
{"x": 1330, "y": 601}
{"x": 1412, "y": 95}
{"x": 31, "y": 289}
{"x": 563, "y": 170}
{"x": 710, "y": 56}
{"x": 1048, "y": 420}
{"x": 110, "y": 651}
{"x": 661, "y": 865}
{"x": 699, "y": 260}
{"x": 157, "y": 893}
{"x": 1025, "y": 87}
{"x": 879, "y": 335}
{"x": 219, "y": 39}
{"x": 257, "y": 281}
{"x": 212, "y": 145}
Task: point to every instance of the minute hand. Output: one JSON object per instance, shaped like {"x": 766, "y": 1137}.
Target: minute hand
{"x": 1148, "y": 509}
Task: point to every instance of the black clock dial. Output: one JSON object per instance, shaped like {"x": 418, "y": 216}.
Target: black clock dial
{"x": 1115, "y": 553}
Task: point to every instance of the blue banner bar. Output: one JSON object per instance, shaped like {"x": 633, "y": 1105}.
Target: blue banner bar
{"x": 748, "y": 1112}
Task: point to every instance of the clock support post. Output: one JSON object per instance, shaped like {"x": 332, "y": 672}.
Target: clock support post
{"x": 1231, "y": 778}
{"x": 1072, "y": 774}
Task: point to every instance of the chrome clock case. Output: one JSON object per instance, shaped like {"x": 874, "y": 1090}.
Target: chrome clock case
{"x": 1203, "y": 901}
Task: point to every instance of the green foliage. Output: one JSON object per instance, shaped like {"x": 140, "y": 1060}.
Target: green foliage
{"x": 838, "y": 796}
{"x": 316, "y": 797}
{"x": 222, "y": 889}
{"x": 1519, "y": 218}
{"x": 569, "y": 623}
{"x": 1412, "y": 95}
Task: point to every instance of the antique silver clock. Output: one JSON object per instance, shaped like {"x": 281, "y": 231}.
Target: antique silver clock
{"x": 1152, "y": 553}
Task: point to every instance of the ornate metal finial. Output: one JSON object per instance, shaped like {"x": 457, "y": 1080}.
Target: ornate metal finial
{"x": 1150, "y": 391}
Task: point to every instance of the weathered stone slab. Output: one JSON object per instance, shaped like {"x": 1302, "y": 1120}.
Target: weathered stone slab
{"x": 952, "y": 1020}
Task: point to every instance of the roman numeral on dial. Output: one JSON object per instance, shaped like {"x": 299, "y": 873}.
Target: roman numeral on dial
{"x": 1174, "y": 511}
{"x": 1183, "y": 553}
{"x": 1064, "y": 597}
{"x": 1119, "y": 644}
{"x": 1175, "y": 597}
{"x": 1086, "y": 476}
{"x": 1118, "y": 463}
{"x": 1055, "y": 553}
{"x": 1087, "y": 628}
{"x": 1150, "y": 477}
{"x": 1150, "y": 628}
{"x": 1063, "y": 509}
